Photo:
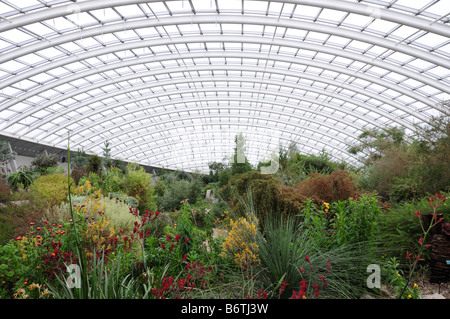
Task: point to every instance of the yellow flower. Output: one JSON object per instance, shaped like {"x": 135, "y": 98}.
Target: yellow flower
{"x": 409, "y": 296}
{"x": 415, "y": 286}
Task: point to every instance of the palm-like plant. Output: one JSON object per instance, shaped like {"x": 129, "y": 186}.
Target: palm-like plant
{"x": 22, "y": 178}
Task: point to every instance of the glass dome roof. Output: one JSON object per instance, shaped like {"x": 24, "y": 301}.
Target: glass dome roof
{"x": 171, "y": 83}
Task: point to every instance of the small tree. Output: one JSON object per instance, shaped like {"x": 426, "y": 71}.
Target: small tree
{"x": 94, "y": 164}
{"x": 240, "y": 163}
{"x": 5, "y": 155}
{"x": 80, "y": 159}
{"x": 44, "y": 161}
{"x": 107, "y": 162}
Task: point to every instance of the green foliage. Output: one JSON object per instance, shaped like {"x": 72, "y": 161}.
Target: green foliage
{"x": 396, "y": 280}
{"x": 107, "y": 161}
{"x": 5, "y": 152}
{"x": 269, "y": 196}
{"x": 399, "y": 227}
{"x": 356, "y": 220}
{"x": 21, "y": 178}
{"x": 95, "y": 180}
{"x": 186, "y": 228}
{"x": 113, "y": 180}
{"x": 137, "y": 184}
{"x": 124, "y": 198}
{"x": 281, "y": 253}
{"x": 79, "y": 159}
{"x": 401, "y": 169}
{"x": 50, "y": 190}
{"x": 13, "y": 270}
{"x": 214, "y": 169}
{"x": 177, "y": 190}
{"x": 94, "y": 164}
{"x": 44, "y": 161}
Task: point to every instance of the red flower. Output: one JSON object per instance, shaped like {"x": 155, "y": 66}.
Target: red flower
{"x": 177, "y": 237}
{"x": 418, "y": 213}
{"x": 168, "y": 237}
{"x": 186, "y": 240}
{"x": 163, "y": 246}
{"x": 307, "y": 259}
{"x": 283, "y": 285}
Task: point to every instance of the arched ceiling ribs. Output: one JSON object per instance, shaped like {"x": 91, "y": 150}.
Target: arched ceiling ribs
{"x": 184, "y": 101}
{"x": 237, "y": 107}
{"x": 337, "y": 148}
{"x": 230, "y": 19}
{"x": 80, "y": 75}
{"x": 293, "y": 86}
{"x": 290, "y": 105}
{"x": 444, "y": 62}
{"x": 319, "y": 79}
{"x": 230, "y": 143}
{"x": 79, "y": 140}
{"x": 361, "y": 9}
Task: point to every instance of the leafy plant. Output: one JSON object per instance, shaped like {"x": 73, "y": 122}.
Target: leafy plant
{"x": 79, "y": 159}
{"x": 339, "y": 185}
{"x": 21, "y": 178}
{"x": 44, "y": 161}
{"x": 137, "y": 184}
{"x": 51, "y": 189}
{"x": 94, "y": 164}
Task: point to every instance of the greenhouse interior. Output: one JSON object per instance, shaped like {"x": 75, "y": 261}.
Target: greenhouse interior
{"x": 225, "y": 149}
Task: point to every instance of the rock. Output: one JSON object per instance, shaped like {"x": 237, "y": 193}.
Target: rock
{"x": 210, "y": 196}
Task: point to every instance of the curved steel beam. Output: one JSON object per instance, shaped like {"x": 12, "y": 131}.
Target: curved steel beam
{"x": 361, "y": 9}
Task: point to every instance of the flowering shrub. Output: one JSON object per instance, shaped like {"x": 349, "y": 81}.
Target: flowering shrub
{"x": 241, "y": 241}
{"x": 50, "y": 189}
{"x": 32, "y": 291}
{"x": 435, "y": 202}
{"x": 194, "y": 276}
